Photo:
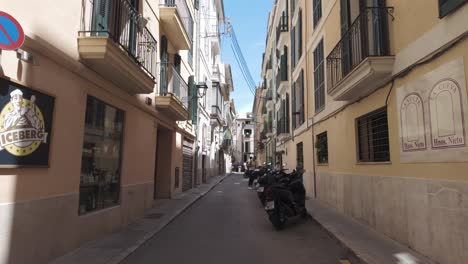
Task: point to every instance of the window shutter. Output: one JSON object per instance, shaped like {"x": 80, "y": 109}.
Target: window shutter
{"x": 293, "y": 105}
{"x": 287, "y": 113}
{"x": 299, "y": 33}
{"x": 101, "y": 16}
{"x": 284, "y": 64}
{"x": 164, "y": 66}
{"x": 293, "y": 48}
{"x": 197, "y": 4}
{"x": 193, "y": 103}
{"x": 301, "y": 97}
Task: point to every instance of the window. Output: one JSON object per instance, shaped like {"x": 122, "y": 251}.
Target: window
{"x": 247, "y": 147}
{"x": 247, "y": 132}
{"x": 317, "y": 11}
{"x": 321, "y": 145}
{"x": 300, "y": 155}
{"x": 298, "y": 101}
{"x": 373, "y": 137}
{"x": 448, "y": 6}
{"x": 101, "y": 157}
{"x": 319, "y": 77}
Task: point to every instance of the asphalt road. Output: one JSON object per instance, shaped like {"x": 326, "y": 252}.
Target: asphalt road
{"x": 229, "y": 225}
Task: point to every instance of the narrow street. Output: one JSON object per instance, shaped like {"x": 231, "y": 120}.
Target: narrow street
{"x": 229, "y": 225}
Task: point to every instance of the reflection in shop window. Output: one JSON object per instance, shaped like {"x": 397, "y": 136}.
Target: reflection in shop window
{"x": 101, "y": 158}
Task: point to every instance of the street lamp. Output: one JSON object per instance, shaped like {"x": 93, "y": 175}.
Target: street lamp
{"x": 203, "y": 87}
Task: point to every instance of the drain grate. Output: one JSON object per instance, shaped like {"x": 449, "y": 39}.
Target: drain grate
{"x": 154, "y": 216}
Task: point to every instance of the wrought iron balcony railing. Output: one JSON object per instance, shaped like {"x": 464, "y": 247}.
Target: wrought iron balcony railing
{"x": 176, "y": 86}
{"x": 367, "y": 36}
{"x": 283, "y": 25}
{"x": 120, "y": 21}
{"x": 184, "y": 14}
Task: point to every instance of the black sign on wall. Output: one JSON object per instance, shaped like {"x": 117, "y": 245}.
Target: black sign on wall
{"x": 25, "y": 126}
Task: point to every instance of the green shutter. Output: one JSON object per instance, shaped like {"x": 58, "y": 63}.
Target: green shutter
{"x": 299, "y": 33}
{"x": 197, "y": 4}
{"x": 101, "y": 17}
{"x": 447, "y": 6}
{"x": 294, "y": 105}
{"x": 193, "y": 103}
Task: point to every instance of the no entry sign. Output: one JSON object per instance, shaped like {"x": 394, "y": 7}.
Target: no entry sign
{"x": 11, "y": 32}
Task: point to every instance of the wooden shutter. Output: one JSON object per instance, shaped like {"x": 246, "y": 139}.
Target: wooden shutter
{"x": 293, "y": 48}
{"x": 287, "y": 113}
{"x": 164, "y": 66}
{"x": 196, "y": 4}
{"x": 301, "y": 97}
{"x": 101, "y": 16}
{"x": 299, "y": 36}
{"x": 294, "y": 105}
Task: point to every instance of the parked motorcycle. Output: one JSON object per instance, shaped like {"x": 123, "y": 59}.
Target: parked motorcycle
{"x": 285, "y": 199}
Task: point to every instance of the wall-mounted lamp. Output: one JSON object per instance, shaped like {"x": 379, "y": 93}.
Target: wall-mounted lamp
{"x": 203, "y": 87}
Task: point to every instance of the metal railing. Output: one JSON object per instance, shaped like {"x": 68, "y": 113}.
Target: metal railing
{"x": 367, "y": 36}
{"x": 122, "y": 23}
{"x": 184, "y": 14}
{"x": 176, "y": 87}
{"x": 283, "y": 25}
{"x": 215, "y": 112}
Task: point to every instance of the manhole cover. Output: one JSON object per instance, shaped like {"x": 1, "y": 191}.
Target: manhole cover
{"x": 154, "y": 216}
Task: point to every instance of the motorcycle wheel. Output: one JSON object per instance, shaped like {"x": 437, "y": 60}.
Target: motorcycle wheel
{"x": 278, "y": 218}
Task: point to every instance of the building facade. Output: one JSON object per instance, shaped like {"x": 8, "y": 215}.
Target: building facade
{"x": 245, "y": 138}
{"x": 98, "y": 107}
{"x": 375, "y": 103}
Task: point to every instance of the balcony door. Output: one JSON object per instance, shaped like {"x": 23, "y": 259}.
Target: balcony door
{"x": 164, "y": 66}
{"x": 133, "y": 25}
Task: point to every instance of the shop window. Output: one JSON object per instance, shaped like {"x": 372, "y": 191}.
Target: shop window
{"x": 448, "y": 6}
{"x": 321, "y": 144}
{"x": 101, "y": 157}
{"x": 373, "y": 140}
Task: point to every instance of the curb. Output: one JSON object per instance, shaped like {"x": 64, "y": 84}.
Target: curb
{"x": 349, "y": 250}
{"x": 119, "y": 258}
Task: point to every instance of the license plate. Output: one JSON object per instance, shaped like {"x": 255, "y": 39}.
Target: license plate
{"x": 270, "y": 205}
{"x": 260, "y": 189}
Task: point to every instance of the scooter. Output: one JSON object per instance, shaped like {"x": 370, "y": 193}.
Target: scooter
{"x": 286, "y": 199}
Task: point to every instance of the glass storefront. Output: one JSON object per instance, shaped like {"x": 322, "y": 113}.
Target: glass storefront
{"x": 101, "y": 158}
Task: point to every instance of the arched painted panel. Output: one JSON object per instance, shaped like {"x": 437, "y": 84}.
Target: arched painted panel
{"x": 412, "y": 123}
{"x": 446, "y": 115}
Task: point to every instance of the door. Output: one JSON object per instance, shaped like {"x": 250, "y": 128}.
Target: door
{"x": 203, "y": 168}
{"x": 187, "y": 163}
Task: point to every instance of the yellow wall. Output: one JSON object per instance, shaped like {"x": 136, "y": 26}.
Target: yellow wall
{"x": 342, "y": 138}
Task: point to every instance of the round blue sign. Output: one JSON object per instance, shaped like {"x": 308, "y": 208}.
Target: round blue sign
{"x": 11, "y": 32}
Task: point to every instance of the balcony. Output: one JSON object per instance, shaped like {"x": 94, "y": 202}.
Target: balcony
{"x": 216, "y": 116}
{"x": 114, "y": 42}
{"x": 282, "y": 26}
{"x": 282, "y": 75}
{"x": 177, "y": 23}
{"x": 361, "y": 61}
{"x": 172, "y": 98}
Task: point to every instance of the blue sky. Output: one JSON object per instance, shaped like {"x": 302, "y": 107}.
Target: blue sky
{"x": 249, "y": 19}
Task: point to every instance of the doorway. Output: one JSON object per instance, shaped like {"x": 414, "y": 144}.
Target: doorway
{"x": 163, "y": 168}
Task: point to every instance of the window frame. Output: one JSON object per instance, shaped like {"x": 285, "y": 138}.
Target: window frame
{"x": 449, "y": 6}
{"x": 122, "y": 113}
{"x": 358, "y": 138}
{"x": 319, "y": 70}
{"x": 301, "y": 144}
{"x": 316, "y": 12}
{"x": 319, "y": 137}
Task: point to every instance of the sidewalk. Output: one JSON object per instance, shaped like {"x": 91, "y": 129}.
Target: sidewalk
{"x": 113, "y": 248}
{"x": 370, "y": 246}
